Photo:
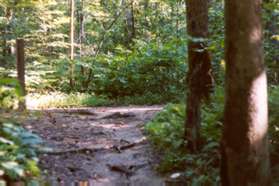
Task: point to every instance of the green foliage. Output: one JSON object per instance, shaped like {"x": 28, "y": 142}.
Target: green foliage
{"x": 18, "y": 149}
{"x": 271, "y": 44}
{"x": 274, "y": 118}
{"x": 152, "y": 69}
{"x": 58, "y": 100}
{"x": 166, "y": 131}
{"x": 10, "y": 92}
{"x": 18, "y": 157}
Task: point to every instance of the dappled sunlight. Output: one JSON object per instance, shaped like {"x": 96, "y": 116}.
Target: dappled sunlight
{"x": 259, "y": 118}
{"x": 136, "y": 108}
{"x": 54, "y": 100}
{"x": 107, "y": 141}
{"x": 111, "y": 126}
{"x": 256, "y": 35}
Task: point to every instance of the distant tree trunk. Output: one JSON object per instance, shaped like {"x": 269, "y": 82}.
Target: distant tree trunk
{"x": 146, "y": 9}
{"x": 4, "y": 51}
{"x": 177, "y": 21}
{"x": 21, "y": 71}
{"x": 6, "y": 48}
{"x": 81, "y": 21}
{"x": 130, "y": 21}
{"x": 72, "y": 41}
{"x": 81, "y": 28}
{"x": 245, "y": 154}
{"x": 199, "y": 78}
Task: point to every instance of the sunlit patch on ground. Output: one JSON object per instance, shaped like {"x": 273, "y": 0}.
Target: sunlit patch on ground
{"x": 100, "y": 145}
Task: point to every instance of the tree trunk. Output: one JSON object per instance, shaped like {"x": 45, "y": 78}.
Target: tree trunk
{"x": 21, "y": 71}
{"x": 245, "y": 155}
{"x": 6, "y": 48}
{"x": 177, "y": 22}
{"x": 199, "y": 78}
{"x": 81, "y": 33}
{"x": 4, "y": 51}
{"x": 72, "y": 44}
{"x": 130, "y": 21}
{"x": 81, "y": 28}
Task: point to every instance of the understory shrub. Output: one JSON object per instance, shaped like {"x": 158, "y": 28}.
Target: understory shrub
{"x": 18, "y": 147}
{"x": 148, "y": 69}
{"x": 18, "y": 152}
{"x": 166, "y": 132}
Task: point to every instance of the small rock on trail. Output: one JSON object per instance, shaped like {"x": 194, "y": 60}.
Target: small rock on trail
{"x": 101, "y": 145}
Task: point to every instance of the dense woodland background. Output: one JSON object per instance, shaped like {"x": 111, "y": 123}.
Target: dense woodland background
{"x": 122, "y": 52}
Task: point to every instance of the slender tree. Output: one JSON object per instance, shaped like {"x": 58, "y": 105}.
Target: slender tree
{"x": 20, "y": 59}
{"x": 6, "y": 32}
{"x": 245, "y": 156}
{"x": 81, "y": 19}
{"x": 199, "y": 79}
{"x": 72, "y": 40}
{"x": 130, "y": 21}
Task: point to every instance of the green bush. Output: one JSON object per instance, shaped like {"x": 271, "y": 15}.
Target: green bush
{"x": 18, "y": 147}
{"x": 148, "y": 69}
{"x": 10, "y": 92}
{"x": 166, "y": 132}
{"x": 18, "y": 154}
{"x": 274, "y": 118}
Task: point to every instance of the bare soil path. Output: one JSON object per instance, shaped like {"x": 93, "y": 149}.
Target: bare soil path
{"x": 102, "y": 146}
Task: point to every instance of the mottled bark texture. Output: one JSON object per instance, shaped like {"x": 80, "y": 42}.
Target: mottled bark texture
{"x": 199, "y": 79}
{"x": 245, "y": 156}
{"x": 21, "y": 71}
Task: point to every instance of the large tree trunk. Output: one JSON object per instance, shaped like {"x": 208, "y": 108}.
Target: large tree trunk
{"x": 199, "y": 79}
{"x": 245, "y": 156}
{"x": 21, "y": 71}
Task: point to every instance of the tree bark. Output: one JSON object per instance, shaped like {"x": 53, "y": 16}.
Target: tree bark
{"x": 81, "y": 34}
{"x": 72, "y": 41}
{"x": 81, "y": 28}
{"x": 245, "y": 155}
{"x": 6, "y": 31}
{"x": 72, "y": 28}
{"x": 21, "y": 71}
{"x": 199, "y": 78}
{"x": 130, "y": 21}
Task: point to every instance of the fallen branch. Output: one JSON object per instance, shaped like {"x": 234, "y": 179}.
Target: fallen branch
{"x": 130, "y": 145}
{"x": 80, "y": 112}
{"x": 79, "y": 150}
{"x": 87, "y": 150}
{"x": 121, "y": 168}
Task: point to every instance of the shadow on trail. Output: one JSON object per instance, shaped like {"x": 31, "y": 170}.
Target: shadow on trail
{"x": 104, "y": 146}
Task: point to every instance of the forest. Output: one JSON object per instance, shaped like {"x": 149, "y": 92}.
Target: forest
{"x": 139, "y": 92}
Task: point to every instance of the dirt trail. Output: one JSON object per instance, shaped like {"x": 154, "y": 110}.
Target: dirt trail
{"x": 104, "y": 146}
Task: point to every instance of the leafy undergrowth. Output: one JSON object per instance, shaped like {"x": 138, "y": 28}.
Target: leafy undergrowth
{"x": 274, "y": 130}
{"x": 18, "y": 152}
{"x": 146, "y": 70}
{"x": 18, "y": 147}
{"x": 58, "y": 100}
{"x": 166, "y": 132}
